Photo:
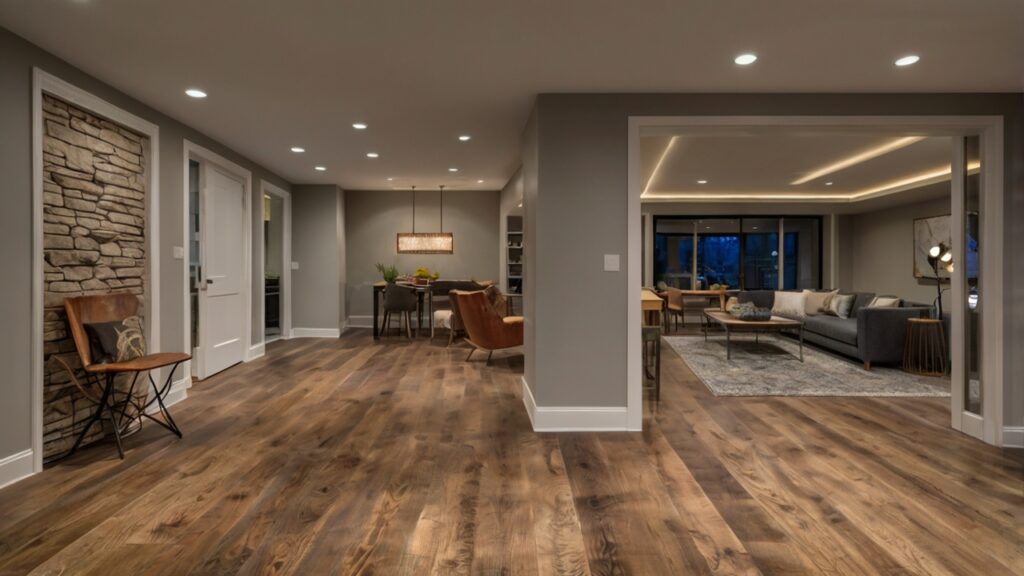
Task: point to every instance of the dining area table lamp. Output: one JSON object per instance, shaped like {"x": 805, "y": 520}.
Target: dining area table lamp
{"x": 414, "y": 242}
{"x": 940, "y": 257}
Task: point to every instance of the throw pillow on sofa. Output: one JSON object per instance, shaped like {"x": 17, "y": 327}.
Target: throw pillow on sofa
{"x": 817, "y": 301}
{"x": 791, "y": 304}
{"x": 841, "y": 305}
{"x": 885, "y": 302}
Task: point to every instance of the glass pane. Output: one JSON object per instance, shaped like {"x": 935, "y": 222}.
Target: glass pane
{"x": 973, "y": 389}
{"x": 193, "y": 247}
{"x": 760, "y": 253}
{"x": 718, "y": 252}
{"x": 673, "y": 253}
{"x": 802, "y": 253}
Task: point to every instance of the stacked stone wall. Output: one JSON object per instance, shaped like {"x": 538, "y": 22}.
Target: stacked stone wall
{"x": 94, "y": 242}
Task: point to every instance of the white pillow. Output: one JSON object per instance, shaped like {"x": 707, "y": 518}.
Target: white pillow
{"x": 816, "y": 301}
{"x": 791, "y": 304}
{"x": 885, "y": 302}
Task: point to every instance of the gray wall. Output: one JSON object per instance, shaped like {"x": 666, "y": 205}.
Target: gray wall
{"x": 317, "y": 246}
{"x": 578, "y": 356}
{"x": 19, "y": 57}
{"x": 881, "y": 251}
{"x": 374, "y": 218}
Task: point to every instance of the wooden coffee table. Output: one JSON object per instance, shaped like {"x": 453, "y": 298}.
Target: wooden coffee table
{"x": 731, "y": 324}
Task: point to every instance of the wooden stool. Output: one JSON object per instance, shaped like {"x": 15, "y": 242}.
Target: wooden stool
{"x": 652, "y": 359}
{"x": 924, "y": 352}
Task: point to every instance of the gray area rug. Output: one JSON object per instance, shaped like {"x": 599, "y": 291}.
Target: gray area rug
{"x": 771, "y": 369}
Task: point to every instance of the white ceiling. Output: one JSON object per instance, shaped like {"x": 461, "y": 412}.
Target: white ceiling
{"x": 422, "y": 72}
{"x": 774, "y": 162}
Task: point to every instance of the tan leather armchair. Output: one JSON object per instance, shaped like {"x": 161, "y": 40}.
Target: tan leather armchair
{"x": 485, "y": 328}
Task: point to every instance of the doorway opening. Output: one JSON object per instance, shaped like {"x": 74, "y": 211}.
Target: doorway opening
{"x": 275, "y": 230}
{"x": 713, "y": 208}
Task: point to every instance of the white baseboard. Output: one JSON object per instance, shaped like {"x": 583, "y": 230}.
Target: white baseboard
{"x": 15, "y": 467}
{"x": 573, "y": 418}
{"x": 1013, "y": 436}
{"x": 315, "y": 333}
{"x": 359, "y": 322}
{"x": 256, "y": 351}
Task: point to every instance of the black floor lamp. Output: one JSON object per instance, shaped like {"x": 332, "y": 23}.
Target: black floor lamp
{"x": 940, "y": 257}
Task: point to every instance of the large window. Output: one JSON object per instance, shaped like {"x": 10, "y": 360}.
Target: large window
{"x": 738, "y": 252}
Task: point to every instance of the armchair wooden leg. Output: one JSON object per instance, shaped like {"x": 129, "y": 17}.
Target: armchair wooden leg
{"x": 489, "y": 354}
{"x": 451, "y": 336}
{"x": 471, "y": 350}
{"x": 867, "y": 365}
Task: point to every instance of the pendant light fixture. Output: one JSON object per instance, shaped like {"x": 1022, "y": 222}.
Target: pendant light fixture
{"x": 426, "y": 242}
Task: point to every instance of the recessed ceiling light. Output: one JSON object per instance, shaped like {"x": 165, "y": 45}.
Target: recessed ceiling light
{"x": 453, "y": 169}
{"x": 298, "y": 149}
{"x": 520, "y": 204}
{"x": 755, "y": 227}
{"x": 359, "y": 126}
{"x": 465, "y": 138}
{"x": 908, "y": 60}
{"x": 828, "y": 183}
{"x": 479, "y": 181}
{"x": 320, "y": 168}
{"x": 745, "y": 59}
{"x": 195, "y": 93}
{"x": 372, "y": 155}
{"x": 702, "y": 181}
{"x": 391, "y": 179}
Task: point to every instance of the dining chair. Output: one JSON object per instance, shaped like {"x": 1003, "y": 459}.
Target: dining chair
{"x": 404, "y": 301}
{"x": 444, "y": 314}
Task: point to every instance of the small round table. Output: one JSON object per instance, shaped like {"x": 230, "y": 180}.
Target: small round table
{"x": 924, "y": 351}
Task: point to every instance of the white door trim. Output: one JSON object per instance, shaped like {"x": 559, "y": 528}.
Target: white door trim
{"x": 286, "y": 264}
{"x": 991, "y": 130}
{"x": 193, "y": 151}
{"x": 44, "y": 82}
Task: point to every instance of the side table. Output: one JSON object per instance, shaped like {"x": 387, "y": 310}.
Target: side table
{"x": 924, "y": 351}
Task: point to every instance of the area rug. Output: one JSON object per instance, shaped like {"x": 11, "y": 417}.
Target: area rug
{"x": 771, "y": 368}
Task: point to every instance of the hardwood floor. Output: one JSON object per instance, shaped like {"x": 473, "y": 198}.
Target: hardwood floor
{"x": 349, "y": 457}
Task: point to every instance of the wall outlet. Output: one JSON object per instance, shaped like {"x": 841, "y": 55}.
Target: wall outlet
{"x": 611, "y": 262}
{"x": 178, "y": 252}
{"x": 295, "y": 265}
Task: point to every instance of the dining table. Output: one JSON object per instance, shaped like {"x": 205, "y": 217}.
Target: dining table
{"x": 425, "y": 296}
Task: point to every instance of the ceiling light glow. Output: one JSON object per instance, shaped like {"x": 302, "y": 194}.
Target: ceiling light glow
{"x": 359, "y": 126}
{"x": 864, "y": 156}
{"x": 702, "y": 181}
{"x": 320, "y": 168}
{"x": 195, "y": 93}
{"x": 908, "y": 60}
{"x": 453, "y": 169}
{"x": 298, "y": 149}
{"x": 745, "y": 59}
{"x": 479, "y": 181}
{"x": 465, "y": 138}
{"x": 372, "y": 155}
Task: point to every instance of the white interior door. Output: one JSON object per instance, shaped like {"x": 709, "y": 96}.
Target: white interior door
{"x": 221, "y": 301}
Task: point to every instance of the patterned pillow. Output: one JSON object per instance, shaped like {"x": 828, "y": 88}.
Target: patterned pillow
{"x": 841, "y": 305}
{"x": 497, "y": 300}
{"x": 116, "y": 341}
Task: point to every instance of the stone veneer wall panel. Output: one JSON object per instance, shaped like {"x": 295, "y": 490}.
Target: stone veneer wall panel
{"x": 94, "y": 242}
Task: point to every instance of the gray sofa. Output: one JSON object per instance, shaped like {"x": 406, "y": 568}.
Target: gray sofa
{"x": 872, "y": 335}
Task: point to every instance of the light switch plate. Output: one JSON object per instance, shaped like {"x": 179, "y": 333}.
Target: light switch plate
{"x": 611, "y": 262}
{"x": 179, "y": 253}
{"x": 295, "y": 265}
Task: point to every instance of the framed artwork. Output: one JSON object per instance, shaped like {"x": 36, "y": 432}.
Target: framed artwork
{"x": 929, "y": 232}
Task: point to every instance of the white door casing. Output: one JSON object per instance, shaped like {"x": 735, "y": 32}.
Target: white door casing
{"x": 221, "y": 283}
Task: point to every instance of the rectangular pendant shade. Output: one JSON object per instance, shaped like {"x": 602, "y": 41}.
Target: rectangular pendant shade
{"x": 425, "y": 243}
